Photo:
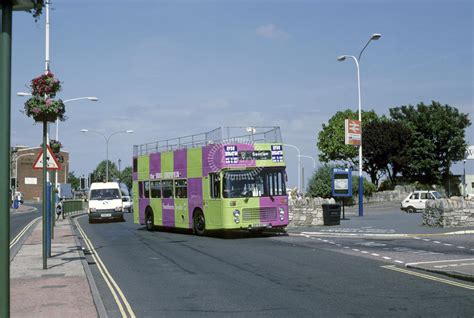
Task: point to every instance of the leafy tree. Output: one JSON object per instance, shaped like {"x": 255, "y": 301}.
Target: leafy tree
{"x": 331, "y": 138}
{"x": 385, "y": 147}
{"x": 73, "y": 180}
{"x": 126, "y": 176}
{"x": 438, "y": 139}
{"x": 99, "y": 174}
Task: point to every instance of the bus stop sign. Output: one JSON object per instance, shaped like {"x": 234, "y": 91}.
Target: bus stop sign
{"x": 341, "y": 182}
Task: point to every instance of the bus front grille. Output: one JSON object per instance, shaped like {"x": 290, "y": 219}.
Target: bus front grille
{"x": 259, "y": 214}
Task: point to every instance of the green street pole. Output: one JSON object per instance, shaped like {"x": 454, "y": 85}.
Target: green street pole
{"x": 53, "y": 204}
{"x": 45, "y": 196}
{"x": 5, "y": 112}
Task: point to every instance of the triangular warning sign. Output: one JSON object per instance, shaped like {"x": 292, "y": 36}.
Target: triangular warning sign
{"x": 52, "y": 162}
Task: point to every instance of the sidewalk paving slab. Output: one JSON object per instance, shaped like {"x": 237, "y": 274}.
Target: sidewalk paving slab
{"x": 62, "y": 290}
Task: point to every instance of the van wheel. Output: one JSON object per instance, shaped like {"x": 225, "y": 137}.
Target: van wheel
{"x": 199, "y": 223}
{"x": 411, "y": 209}
{"x": 149, "y": 220}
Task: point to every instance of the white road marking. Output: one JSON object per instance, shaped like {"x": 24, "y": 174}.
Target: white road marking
{"x": 386, "y": 257}
{"x": 399, "y": 262}
{"x": 374, "y": 254}
{"x": 443, "y": 261}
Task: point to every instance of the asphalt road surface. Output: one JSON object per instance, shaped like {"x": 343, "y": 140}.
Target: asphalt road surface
{"x": 166, "y": 274}
{"x": 18, "y": 220}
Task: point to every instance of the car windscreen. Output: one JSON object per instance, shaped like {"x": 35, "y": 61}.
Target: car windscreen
{"x": 105, "y": 194}
{"x": 437, "y": 195}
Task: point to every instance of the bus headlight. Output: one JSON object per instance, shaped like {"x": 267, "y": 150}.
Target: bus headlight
{"x": 236, "y": 216}
{"x": 282, "y": 214}
{"x": 119, "y": 209}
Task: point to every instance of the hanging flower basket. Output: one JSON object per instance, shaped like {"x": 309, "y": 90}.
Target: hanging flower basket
{"x": 42, "y": 109}
{"x": 55, "y": 146}
{"x": 45, "y": 85}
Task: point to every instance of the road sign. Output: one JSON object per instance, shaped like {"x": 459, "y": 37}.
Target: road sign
{"x": 353, "y": 132}
{"x": 341, "y": 182}
{"x": 52, "y": 162}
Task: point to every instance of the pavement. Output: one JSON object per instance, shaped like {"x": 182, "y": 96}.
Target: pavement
{"x": 64, "y": 289}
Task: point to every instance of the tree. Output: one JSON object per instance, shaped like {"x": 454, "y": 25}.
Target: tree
{"x": 126, "y": 177}
{"x": 331, "y": 138}
{"x": 99, "y": 174}
{"x": 438, "y": 139}
{"x": 385, "y": 148}
{"x": 73, "y": 180}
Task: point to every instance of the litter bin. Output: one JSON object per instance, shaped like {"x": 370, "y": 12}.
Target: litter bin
{"x": 16, "y": 204}
{"x": 331, "y": 214}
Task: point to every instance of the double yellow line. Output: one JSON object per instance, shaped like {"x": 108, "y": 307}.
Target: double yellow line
{"x": 18, "y": 237}
{"x": 117, "y": 293}
{"x": 430, "y": 277}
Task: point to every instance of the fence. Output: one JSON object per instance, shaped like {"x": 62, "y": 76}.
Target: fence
{"x": 71, "y": 207}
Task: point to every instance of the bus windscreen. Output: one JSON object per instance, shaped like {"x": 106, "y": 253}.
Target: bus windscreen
{"x": 266, "y": 182}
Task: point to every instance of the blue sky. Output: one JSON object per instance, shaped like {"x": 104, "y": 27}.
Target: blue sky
{"x": 172, "y": 68}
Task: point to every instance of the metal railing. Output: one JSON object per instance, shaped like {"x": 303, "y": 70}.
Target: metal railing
{"x": 255, "y": 134}
{"x": 72, "y": 207}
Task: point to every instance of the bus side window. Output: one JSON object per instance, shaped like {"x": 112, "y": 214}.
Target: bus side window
{"x": 140, "y": 189}
{"x": 181, "y": 189}
{"x": 167, "y": 188}
{"x": 155, "y": 187}
{"x": 215, "y": 185}
{"x": 146, "y": 187}
{"x": 135, "y": 164}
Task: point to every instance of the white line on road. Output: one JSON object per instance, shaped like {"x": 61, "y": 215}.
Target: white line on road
{"x": 443, "y": 261}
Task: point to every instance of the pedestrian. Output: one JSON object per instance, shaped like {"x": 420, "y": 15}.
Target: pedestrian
{"x": 59, "y": 209}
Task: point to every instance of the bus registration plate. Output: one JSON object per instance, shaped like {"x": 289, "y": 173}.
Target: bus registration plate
{"x": 105, "y": 215}
{"x": 260, "y": 225}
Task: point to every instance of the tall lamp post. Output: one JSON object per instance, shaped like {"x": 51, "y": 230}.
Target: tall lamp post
{"x": 309, "y": 157}
{"x": 299, "y": 163}
{"x": 341, "y": 58}
{"x": 107, "y": 139}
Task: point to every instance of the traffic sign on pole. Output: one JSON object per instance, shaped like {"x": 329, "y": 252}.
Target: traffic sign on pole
{"x": 353, "y": 132}
{"x": 52, "y": 161}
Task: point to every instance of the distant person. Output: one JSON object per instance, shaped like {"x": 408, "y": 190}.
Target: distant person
{"x": 59, "y": 209}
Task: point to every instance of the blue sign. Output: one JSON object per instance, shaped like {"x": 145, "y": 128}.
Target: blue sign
{"x": 277, "y": 153}
{"x": 231, "y": 154}
{"x": 341, "y": 182}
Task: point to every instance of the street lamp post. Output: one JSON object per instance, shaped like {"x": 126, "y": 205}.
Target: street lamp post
{"x": 341, "y": 58}
{"x": 309, "y": 157}
{"x": 299, "y": 163}
{"x": 107, "y": 139}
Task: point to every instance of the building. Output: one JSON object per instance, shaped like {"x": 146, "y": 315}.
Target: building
{"x": 27, "y": 180}
{"x": 469, "y": 185}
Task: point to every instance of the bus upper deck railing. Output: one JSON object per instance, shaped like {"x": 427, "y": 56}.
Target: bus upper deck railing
{"x": 254, "y": 134}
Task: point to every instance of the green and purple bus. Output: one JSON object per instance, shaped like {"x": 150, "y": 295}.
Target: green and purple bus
{"x": 227, "y": 179}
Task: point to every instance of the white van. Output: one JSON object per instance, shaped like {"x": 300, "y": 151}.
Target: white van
{"x": 105, "y": 202}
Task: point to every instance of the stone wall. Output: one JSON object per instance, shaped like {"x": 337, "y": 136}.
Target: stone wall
{"x": 449, "y": 213}
{"x": 307, "y": 211}
{"x": 398, "y": 194}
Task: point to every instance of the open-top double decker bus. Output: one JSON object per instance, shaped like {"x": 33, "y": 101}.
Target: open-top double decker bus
{"x": 228, "y": 178}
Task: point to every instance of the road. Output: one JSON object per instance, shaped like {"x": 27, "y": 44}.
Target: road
{"x": 18, "y": 220}
{"x": 181, "y": 275}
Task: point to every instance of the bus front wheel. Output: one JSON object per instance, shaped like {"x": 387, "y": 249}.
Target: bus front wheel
{"x": 149, "y": 220}
{"x": 199, "y": 223}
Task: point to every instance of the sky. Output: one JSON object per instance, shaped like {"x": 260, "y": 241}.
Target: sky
{"x": 172, "y": 68}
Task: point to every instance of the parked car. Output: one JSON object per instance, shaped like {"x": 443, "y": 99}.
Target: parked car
{"x": 416, "y": 201}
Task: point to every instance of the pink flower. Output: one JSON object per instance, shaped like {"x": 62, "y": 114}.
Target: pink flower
{"x": 48, "y": 102}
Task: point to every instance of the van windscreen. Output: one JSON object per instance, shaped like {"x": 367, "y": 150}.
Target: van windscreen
{"x": 105, "y": 194}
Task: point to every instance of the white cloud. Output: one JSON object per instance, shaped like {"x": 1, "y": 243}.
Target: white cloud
{"x": 270, "y": 31}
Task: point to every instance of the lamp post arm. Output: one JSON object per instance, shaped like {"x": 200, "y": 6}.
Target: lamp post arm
{"x": 299, "y": 163}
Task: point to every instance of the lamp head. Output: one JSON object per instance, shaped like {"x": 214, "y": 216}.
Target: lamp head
{"x": 84, "y": 130}
{"x": 94, "y": 99}
{"x": 341, "y": 58}
{"x": 129, "y": 131}
{"x": 23, "y": 94}
{"x": 375, "y": 36}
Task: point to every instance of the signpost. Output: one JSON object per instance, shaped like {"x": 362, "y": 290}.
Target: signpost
{"x": 342, "y": 185}
{"x": 353, "y": 132}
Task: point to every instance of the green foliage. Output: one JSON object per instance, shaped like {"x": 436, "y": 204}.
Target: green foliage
{"x": 73, "y": 180}
{"x": 320, "y": 183}
{"x": 438, "y": 140}
{"x": 385, "y": 146}
{"x": 126, "y": 177}
{"x": 99, "y": 174}
{"x": 331, "y": 138}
